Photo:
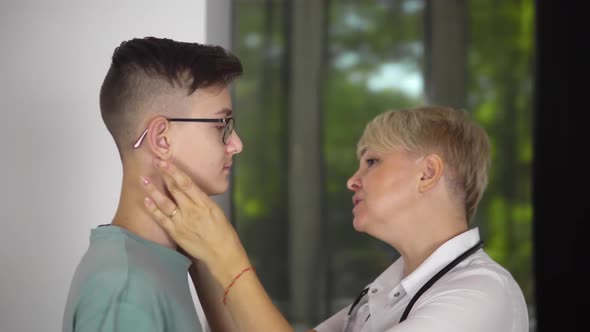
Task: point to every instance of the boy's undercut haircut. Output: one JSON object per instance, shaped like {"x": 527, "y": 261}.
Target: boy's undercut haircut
{"x": 143, "y": 69}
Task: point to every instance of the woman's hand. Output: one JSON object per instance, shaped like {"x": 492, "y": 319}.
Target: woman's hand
{"x": 199, "y": 226}
{"x": 195, "y": 222}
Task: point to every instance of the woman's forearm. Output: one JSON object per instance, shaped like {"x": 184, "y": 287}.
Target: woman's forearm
{"x": 210, "y": 294}
{"x": 251, "y": 307}
{"x": 201, "y": 229}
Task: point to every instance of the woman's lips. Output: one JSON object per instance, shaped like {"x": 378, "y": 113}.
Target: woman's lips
{"x": 355, "y": 200}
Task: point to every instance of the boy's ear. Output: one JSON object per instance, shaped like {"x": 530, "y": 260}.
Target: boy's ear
{"x": 157, "y": 138}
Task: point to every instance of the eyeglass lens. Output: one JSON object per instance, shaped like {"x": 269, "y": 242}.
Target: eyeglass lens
{"x": 227, "y": 130}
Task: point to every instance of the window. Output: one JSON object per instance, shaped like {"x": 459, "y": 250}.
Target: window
{"x": 315, "y": 73}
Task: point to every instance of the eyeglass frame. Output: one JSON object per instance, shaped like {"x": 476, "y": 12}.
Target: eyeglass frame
{"x": 227, "y": 123}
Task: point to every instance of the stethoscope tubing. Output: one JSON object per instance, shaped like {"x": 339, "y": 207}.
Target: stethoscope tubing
{"x": 422, "y": 290}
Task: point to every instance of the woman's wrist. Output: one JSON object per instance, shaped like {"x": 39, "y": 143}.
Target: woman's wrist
{"x": 250, "y": 269}
{"x": 225, "y": 272}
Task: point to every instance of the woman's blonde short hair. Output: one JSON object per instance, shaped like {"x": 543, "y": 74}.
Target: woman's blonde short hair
{"x": 462, "y": 144}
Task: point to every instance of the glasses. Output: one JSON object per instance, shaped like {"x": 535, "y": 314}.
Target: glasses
{"x": 228, "y": 128}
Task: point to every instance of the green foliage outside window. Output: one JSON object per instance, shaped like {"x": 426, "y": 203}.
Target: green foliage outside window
{"x": 374, "y": 58}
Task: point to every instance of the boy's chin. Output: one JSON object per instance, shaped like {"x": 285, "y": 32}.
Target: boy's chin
{"x": 220, "y": 190}
{"x": 212, "y": 188}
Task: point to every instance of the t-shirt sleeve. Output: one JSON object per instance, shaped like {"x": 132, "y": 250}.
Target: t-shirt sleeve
{"x": 118, "y": 317}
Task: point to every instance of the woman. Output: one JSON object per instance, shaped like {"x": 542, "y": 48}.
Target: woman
{"x": 421, "y": 176}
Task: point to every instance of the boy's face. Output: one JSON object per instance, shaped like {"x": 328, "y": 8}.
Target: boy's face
{"x": 198, "y": 147}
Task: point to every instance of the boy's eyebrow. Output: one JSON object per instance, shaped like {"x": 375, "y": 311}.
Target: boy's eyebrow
{"x": 225, "y": 111}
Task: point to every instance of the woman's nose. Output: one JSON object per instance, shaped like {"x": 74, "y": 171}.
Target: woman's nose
{"x": 354, "y": 182}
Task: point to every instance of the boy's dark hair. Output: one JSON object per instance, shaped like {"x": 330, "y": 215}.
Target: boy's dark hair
{"x": 144, "y": 68}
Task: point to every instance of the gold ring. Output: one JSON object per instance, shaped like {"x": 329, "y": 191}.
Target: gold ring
{"x": 173, "y": 212}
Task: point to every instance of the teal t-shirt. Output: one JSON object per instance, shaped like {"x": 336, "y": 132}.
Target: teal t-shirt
{"x": 126, "y": 283}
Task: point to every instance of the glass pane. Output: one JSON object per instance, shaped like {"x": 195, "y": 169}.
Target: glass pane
{"x": 500, "y": 96}
{"x": 259, "y": 194}
{"x": 375, "y": 55}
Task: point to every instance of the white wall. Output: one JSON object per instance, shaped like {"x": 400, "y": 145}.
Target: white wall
{"x": 59, "y": 171}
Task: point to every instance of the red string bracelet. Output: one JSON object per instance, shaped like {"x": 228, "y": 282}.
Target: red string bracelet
{"x": 234, "y": 281}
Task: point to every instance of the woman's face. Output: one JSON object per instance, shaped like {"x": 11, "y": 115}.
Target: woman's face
{"x": 385, "y": 190}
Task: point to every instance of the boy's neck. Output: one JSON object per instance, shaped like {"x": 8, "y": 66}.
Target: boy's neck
{"x": 133, "y": 215}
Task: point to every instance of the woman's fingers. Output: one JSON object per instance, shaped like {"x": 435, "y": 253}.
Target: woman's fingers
{"x": 160, "y": 207}
{"x": 162, "y": 202}
{"x": 181, "y": 181}
{"x": 159, "y": 216}
{"x": 179, "y": 195}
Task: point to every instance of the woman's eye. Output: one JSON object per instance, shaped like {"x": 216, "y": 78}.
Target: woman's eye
{"x": 371, "y": 161}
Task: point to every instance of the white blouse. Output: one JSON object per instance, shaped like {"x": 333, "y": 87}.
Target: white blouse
{"x": 477, "y": 295}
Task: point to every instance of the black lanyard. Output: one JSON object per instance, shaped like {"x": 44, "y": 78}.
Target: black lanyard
{"x": 427, "y": 285}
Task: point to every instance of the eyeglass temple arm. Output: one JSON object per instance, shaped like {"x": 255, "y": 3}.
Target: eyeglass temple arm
{"x": 140, "y": 139}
